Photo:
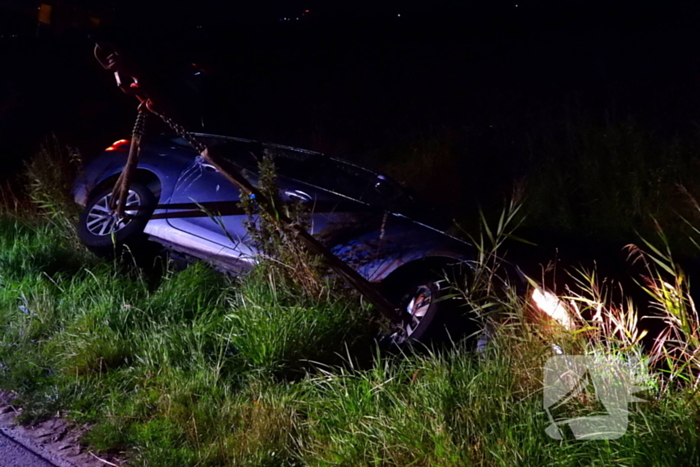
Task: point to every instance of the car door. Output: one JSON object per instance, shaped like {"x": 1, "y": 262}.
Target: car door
{"x": 334, "y": 212}
{"x": 205, "y": 204}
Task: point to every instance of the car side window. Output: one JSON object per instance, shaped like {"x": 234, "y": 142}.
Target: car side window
{"x": 314, "y": 169}
{"x": 299, "y": 166}
{"x": 344, "y": 178}
{"x": 241, "y": 153}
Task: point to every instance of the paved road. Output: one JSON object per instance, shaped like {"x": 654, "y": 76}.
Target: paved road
{"x": 13, "y": 454}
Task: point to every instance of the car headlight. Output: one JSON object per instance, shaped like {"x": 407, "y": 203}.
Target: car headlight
{"x": 550, "y": 305}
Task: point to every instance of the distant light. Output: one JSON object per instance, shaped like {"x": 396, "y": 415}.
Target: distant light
{"x": 516, "y": 6}
{"x": 306, "y": 11}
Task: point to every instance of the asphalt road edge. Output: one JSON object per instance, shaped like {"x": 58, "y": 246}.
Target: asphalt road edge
{"x": 54, "y": 440}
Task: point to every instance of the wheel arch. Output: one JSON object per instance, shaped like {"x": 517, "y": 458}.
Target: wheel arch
{"x": 146, "y": 177}
{"x": 423, "y": 266}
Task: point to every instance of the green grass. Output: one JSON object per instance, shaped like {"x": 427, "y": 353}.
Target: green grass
{"x": 196, "y": 369}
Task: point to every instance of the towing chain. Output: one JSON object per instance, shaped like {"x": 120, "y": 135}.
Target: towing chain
{"x": 351, "y": 276}
{"x": 121, "y": 188}
{"x": 179, "y": 130}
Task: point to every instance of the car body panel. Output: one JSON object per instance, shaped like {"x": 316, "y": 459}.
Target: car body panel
{"x": 198, "y": 211}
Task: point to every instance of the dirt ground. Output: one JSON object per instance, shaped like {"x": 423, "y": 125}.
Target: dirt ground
{"x": 55, "y": 439}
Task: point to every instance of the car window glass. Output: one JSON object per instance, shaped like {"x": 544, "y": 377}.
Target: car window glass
{"x": 314, "y": 169}
{"x": 241, "y": 153}
{"x": 301, "y": 166}
{"x": 339, "y": 177}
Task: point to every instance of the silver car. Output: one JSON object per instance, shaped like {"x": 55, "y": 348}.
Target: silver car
{"x": 182, "y": 203}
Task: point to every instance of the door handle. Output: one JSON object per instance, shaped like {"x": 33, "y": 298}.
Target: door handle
{"x": 296, "y": 195}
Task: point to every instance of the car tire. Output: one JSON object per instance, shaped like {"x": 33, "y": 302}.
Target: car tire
{"x": 426, "y": 298}
{"x": 106, "y": 235}
{"x": 437, "y": 315}
{"x": 422, "y": 302}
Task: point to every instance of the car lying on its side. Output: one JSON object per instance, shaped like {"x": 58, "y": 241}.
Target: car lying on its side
{"x": 184, "y": 204}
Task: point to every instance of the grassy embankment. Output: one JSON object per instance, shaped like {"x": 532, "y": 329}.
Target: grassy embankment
{"x": 193, "y": 368}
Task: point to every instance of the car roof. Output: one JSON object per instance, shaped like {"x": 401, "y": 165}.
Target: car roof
{"x": 306, "y": 152}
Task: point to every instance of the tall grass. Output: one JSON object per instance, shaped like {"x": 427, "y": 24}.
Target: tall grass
{"x": 608, "y": 179}
{"x": 603, "y": 179}
{"x": 194, "y": 368}
{"x": 49, "y": 175}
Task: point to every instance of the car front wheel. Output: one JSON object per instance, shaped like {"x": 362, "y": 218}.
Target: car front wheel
{"x": 434, "y": 313}
{"x": 422, "y": 304}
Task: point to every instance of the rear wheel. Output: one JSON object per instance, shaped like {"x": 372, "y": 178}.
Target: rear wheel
{"x": 104, "y": 232}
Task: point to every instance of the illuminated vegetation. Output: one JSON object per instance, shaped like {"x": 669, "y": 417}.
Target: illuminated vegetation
{"x": 194, "y": 368}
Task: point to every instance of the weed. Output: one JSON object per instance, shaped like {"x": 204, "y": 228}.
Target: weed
{"x": 676, "y": 347}
{"x": 49, "y": 175}
{"x": 277, "y": 331}
{"x": 285, "y": 256}
{"x": 193, "y": 368}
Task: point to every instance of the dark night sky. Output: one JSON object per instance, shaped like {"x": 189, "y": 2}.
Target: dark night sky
{"x": 357, "y": 81}
{"x": 354, "y": 63}
{"x": 218, "y": 11}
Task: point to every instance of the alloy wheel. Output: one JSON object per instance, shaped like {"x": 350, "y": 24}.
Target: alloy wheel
{"x": 104, "y": 221}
